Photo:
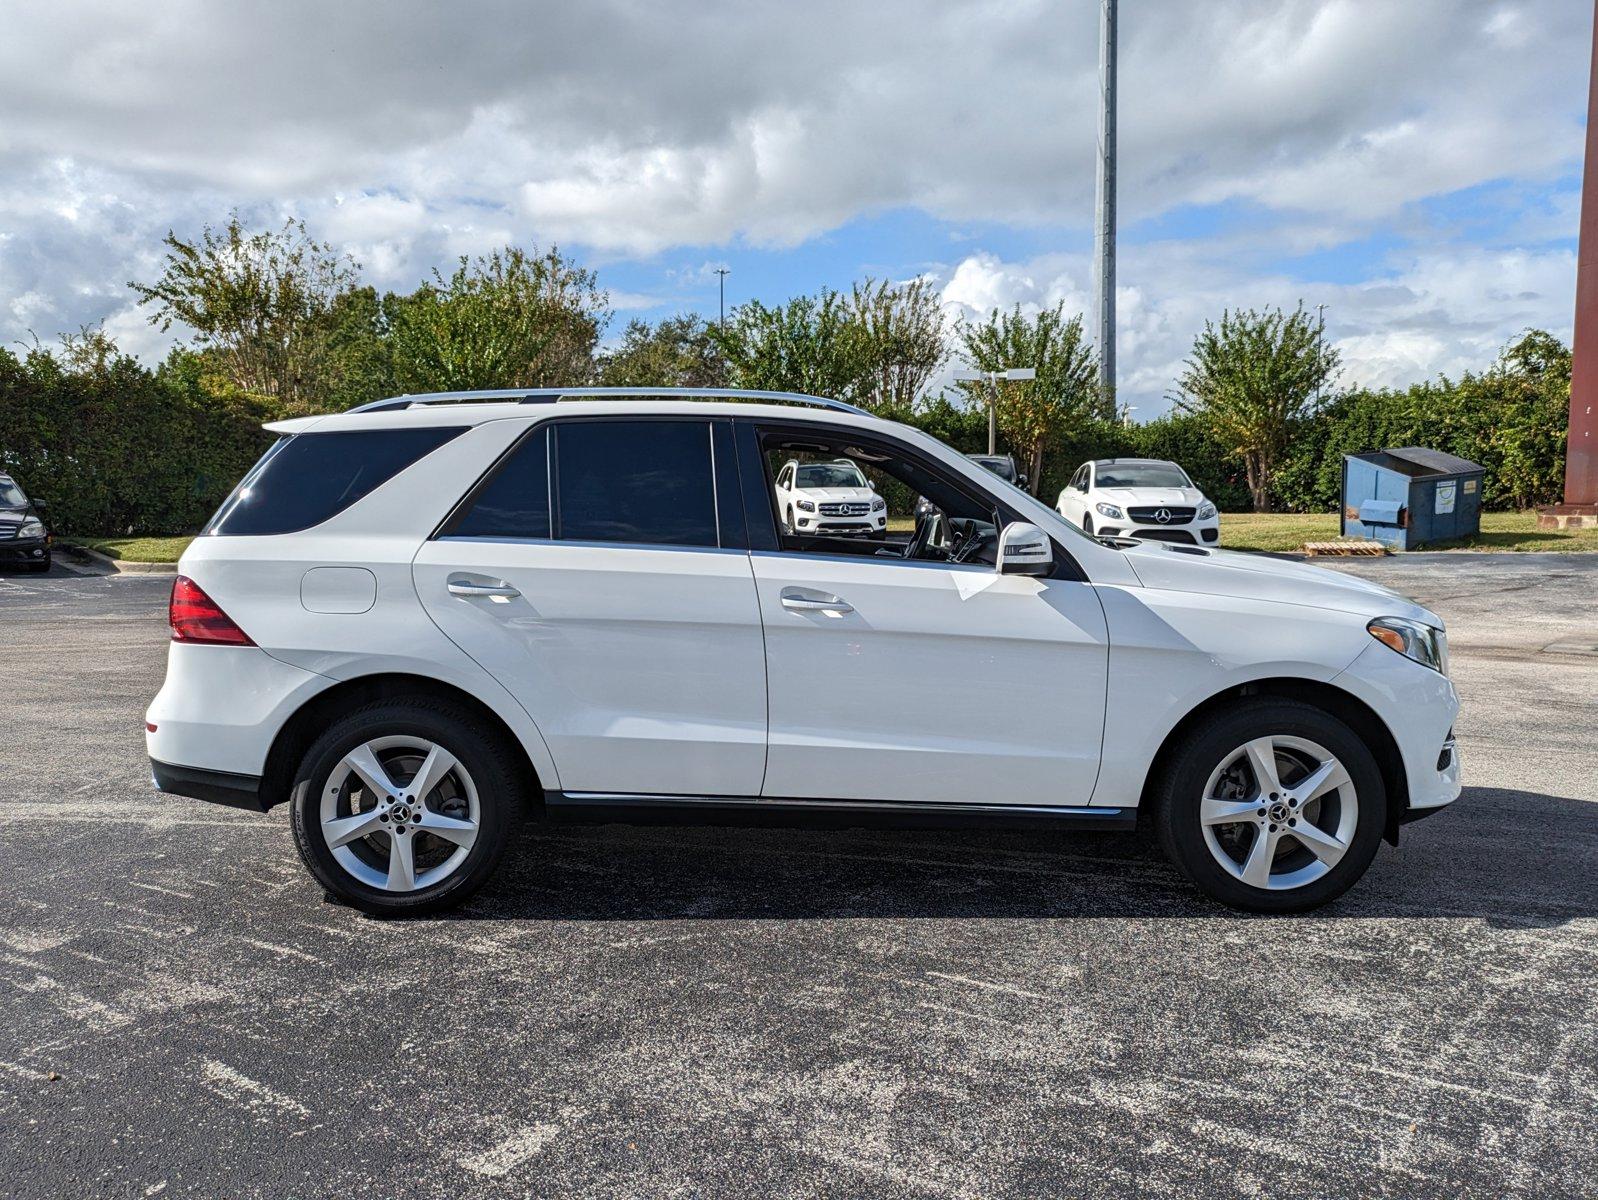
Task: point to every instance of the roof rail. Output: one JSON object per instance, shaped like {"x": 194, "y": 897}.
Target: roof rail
{"x": 555, "y": 395}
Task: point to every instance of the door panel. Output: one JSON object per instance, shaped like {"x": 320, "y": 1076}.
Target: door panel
{"x": 929, "y": 682}
{"x": 643, "y": 667}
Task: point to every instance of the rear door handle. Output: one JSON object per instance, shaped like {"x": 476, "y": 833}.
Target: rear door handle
{"x": 804, "y": 600}
{"x": 465, "y": 587}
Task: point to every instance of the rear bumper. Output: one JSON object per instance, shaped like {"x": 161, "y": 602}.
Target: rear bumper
{"x": 219, "y": 787}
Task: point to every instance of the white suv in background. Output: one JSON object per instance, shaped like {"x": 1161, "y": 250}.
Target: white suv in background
{"x": 1146, "y": 498}
{"x": 829, "y": 497}
{"x": 417, "y": 621}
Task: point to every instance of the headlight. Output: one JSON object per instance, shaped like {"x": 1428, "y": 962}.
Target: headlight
{"x": 1427, "y": 646}
{"x": 879, "y": 505}
{"x": 807, "y": 506}
{"x": 1206, "y": 511}
{"x": 32, "y": 527}
{"x": 1109, "y": 510}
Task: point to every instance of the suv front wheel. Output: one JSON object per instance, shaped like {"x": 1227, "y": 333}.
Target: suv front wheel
{"x": 1271, "y": 805}
{"x": 405, "y": 806}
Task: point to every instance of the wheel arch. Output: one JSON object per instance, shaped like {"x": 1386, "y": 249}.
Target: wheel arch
{"x": 1343, "y": 705}
{"x": 312, "y": 717}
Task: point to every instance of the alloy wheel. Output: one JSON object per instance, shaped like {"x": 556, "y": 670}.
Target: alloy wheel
{"x": 1279, "y": 812}
{"x": 399, "y": 813}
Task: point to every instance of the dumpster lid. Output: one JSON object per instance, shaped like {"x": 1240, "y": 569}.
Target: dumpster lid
{"x": 1380, "y": 512}
{"x": 1419, "y": 463}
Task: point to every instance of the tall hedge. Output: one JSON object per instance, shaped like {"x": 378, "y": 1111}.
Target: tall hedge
{"x": 120, "y": 449}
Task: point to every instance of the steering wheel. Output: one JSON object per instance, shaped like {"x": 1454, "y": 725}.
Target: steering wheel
{"x": 968, "y": 544}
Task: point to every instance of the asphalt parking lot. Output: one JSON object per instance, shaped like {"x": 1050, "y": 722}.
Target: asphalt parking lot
{"x": 775, "y": 1013}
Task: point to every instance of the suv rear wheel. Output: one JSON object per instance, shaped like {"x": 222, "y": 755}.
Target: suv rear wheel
{"x": 1272, "y": 806}
{"x": 405, "y": 806}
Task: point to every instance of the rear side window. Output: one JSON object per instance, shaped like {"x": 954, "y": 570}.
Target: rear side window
{"x": 648, "y": 482}
{"x": 308, "y": 477}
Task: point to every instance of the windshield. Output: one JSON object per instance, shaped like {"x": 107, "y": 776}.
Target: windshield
{"x": 830, "y": 475}
{"x": 1141, "y": 475}
{"x": 11, "y": 495}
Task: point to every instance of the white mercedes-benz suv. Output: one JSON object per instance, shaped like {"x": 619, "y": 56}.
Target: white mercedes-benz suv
{"x": 1145, "y": 498}
{"x": 830, "y": 498}
{"x": 417, "y": 622}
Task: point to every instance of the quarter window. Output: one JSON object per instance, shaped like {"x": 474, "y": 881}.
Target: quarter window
{"x": 515, "y": 502}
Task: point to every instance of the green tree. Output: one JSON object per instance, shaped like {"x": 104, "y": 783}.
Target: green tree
{"x": 1254, "y": 379}
{"x": 903, "y": 340}
{"x": 811, "y": 344}
{"x": 509, "y": 320}
{"x": 680, "y": 351}
{"x": 1032, "y": 414}
{"x": 257, "y": 304}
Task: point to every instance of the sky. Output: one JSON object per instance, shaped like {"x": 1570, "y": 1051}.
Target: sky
{"x": 1413, "y": 165}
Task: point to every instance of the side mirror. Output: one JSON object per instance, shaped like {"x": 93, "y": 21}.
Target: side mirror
{"x": 38, "y": 504}
{"x": 1024, "y": 549}
{"x": 1021, "y": 480}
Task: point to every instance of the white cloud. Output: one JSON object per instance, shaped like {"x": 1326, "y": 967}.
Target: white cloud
{"x": 412, "y": 133}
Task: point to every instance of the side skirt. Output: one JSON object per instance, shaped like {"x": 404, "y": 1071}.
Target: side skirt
{"x": 599, "y": 808}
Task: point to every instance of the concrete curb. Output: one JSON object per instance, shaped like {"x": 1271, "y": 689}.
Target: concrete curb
{"x": 118, "y": 565}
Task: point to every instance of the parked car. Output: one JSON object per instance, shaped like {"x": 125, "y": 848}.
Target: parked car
{"x": 1002, "y": 465}
{"x": 412, "y": 621}
{"x": 830, "y": 498}
{"x": 25, "y": 541}
{"x": 1145, "y": 498}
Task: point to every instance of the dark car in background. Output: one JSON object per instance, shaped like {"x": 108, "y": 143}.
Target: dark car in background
{"x": 24, "y": 539}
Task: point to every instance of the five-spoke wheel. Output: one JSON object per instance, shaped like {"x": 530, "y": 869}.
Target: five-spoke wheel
{"x": 405, "y": 806}
{"x": 1271, "y": 804}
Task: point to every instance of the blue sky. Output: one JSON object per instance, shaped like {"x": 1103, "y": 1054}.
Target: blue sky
{"x": 1413, "y": 166}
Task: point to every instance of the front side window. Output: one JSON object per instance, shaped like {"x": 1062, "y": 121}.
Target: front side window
{"x": 889, "y": 504}
{"x": 644, "y": 482}
{"x": 307, "y": 478}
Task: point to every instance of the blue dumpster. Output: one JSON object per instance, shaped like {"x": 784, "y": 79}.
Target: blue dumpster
{"x": 1410, "y": 496}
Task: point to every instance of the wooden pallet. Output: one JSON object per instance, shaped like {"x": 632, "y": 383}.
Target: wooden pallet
{"x": 1346, "y": 547}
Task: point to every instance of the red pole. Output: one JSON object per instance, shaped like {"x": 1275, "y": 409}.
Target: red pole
{"x": 1581, "y": 454}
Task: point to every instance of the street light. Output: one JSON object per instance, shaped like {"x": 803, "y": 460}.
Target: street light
{"x": 992, "y": 379}
{"x": 722, "y": 273}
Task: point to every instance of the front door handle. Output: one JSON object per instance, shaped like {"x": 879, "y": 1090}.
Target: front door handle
{"x": 465, "y": 587}
{"x": 804, "y": 600}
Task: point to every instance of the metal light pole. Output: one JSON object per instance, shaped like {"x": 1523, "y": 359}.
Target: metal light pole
{"x": 1104, "y": 202}
{"x": 992, "y": 379}
{"x": 1320, "y": 345}
{"x": 722, "y": 273}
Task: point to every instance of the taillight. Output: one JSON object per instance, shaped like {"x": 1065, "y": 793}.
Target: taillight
{"x": 195, "y": 617}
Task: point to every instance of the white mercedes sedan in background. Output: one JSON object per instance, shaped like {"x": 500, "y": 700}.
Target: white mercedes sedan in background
{"x": 1146, "y": 498}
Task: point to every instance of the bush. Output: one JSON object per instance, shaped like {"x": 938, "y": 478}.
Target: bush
{"x": 118, "y": 449}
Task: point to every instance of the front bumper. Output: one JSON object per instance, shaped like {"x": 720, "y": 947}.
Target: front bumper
{"x": 822, "y": 523}
{"x": 1419, "y": 707}
{"x": 16, "y": 551}
{"x": 1192, "y": 533}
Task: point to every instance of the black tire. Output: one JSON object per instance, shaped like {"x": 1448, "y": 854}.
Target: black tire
{"x": 39, "y": 568}
{"x": 787, "y": 521}
{"x": 1178, "y": 794}
{"x": 1087, "y": 525}
{"x": 488, "y": 759}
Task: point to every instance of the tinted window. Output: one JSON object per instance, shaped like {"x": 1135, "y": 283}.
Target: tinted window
{"x": 1135, "y": 475}
{"x": 305, "y": 478}
{"x": 635, "y": 481}
{"x": 515, "y": 502}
